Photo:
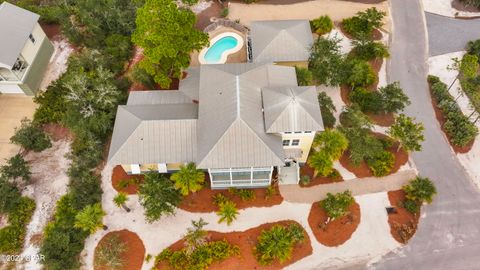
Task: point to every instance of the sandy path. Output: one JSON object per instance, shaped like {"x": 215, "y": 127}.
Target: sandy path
{"x": 337, "y": 10}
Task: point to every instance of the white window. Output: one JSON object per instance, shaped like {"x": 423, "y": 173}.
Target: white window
{"x": 308, "y": 132}
{"x": 286, "y": 142}
{"x": 162, "y": 167}
{"x": 32, "y": 39}
{"x": 288, "y": 132}
{"x": 135, "y": 168}
{"x": 295, "y": 142}
{"x": 298, "y": 132}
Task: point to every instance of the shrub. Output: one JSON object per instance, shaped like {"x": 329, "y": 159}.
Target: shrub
{"x": 360, "y": 73}
{"x": 219, "y": 199}
{"x": 408, "y": 133}
{"x": 305, "y": 179}
{"x": 158, "y": 196}
{"x": 244, "y": 194}
{"x": 393, "y": 98}
{"x": 304, "y": 76}
{"x": 473, "y": 3}
{"x": 16, "y": 167}
{"x": 332, "y": 142}
{"x": 327, "y": 108}
{"x": 337, "y": 205}
{"x": 12, "y": 236}
{"x": 196, "y": 236}
{"x": 270, "y": 192}
{"x": 120, "y": 199}
{"x": 363, "y": 24}
{"x": 473, "y": 47}
{"x": 31, "y": 137}
{"x": 228, "y": 212}
{"x": 382, "y": 164}
{"x": 411, "y": 206}
{"x": 368, "y": 101}
{"x": 90, "y": 218}
{"x": 326, "y": 62}
{"x": 201, "y": 258}
{"x": 321, "y": 162}
{"x": 224, "y": 13}
{"x": 366, "y": 49}
{"x": 188, "y": 179}
{"x": 109, "y": 254}
{"x": 322, "y": 25}
{"x": 277, "y": 243}
{"x": 420, "y": 189}
{"x": 9, "y": 196}
{"x": 139, "y": 75}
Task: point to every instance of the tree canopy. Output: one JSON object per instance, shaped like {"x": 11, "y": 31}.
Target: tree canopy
{"x": 90, "y": 218}
{"x": 167, "y": 35}
{"x": 407, "y": 132}
{"x": 336, "y": 205}
{"x": 326, "y": 61}
{"x": 31, "y": 137}
{"x": 188, "y": 179}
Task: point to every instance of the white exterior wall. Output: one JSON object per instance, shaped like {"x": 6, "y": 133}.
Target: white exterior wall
{"x": 10, "y": 88}
{"x": 30, "y": 49}
{"x": 306, "y": 140}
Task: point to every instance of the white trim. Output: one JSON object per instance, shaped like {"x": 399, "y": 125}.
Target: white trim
{"x": 225, "y": 54}
{"x": 162, "y": 167}
{"x": 135, "y": 168}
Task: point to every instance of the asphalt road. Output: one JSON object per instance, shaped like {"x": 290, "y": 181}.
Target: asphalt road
{"x": 446, "y": 35}
{"x": 448, "y": 236}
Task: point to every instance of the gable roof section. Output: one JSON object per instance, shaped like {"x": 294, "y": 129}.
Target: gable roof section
{"x": 190, "y": 84}
{"x": 231, "y": 131}
{"x": 290, "y": 109}
{"x": 157, "y": 97}
{"x": 145, "y": 134}
{"x": 16, "y": 24}
{"x": 284, "y": 40}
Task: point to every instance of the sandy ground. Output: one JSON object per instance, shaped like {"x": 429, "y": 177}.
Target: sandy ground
{"x": 58, "y": 63}
{"x": 438, "y": 67}
{"x": 336, "y": 9}
{"x": 444, "y": 8}
{"x": 13, "y": 108}
{"x": 345, "y": 42}
{"x": 201, "y": 6}
{"x": 49, "y": 183}
{"x": 161, "y": 234}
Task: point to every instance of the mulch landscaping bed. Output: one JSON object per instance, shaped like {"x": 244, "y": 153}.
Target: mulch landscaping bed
{"x": 203, "y": 18}
{"x": 246, "y": 241}
{"x": 119, "y": 174}
{"x": 382, "y": 119}
{"x": 441, "y": 120}
{"x": 202, "y": 201}
{"x": 318, "y": 180}
{"x": 376, "y": 34}
{"x": 458, "y": 5}
{"x": 401, "y": 219}
{"x": 57, "y": 132}
{"x": 336, "y": 232}
{"x": 134, "y": 254}
{"x": 401, "y": 157}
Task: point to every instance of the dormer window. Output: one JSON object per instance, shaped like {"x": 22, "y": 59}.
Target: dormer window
{"x": 32, "y": 39}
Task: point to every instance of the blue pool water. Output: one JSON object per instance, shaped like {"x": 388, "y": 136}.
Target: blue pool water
{"x": 214, "y": 53}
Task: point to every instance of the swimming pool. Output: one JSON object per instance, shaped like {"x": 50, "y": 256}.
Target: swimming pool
{"x": 221, "y": 46}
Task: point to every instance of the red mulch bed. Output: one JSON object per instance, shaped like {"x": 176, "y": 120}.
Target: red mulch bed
{"x": 336, "y": 232}
{"x": 401, "y": 218}
{"x": 203, "y": 18}
{"x": 458, "y": 5}
{"x": 246, "y": 241}
{"x": 382, "y": 119}
{"x": 318, "y": 180}
{"x": 119, "y": 174}
{"x": 133, "y": 255}
{"x": 441, "y": 120}
{"x": 57, "y": 132}
{"x": 401, "y": 157}
{"x": 202, "y": 201}
{"x": 53, "y": 31}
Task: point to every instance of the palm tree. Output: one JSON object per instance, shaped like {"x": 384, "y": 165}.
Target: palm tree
{"x": 228, "y": 212}
{"x": 90, "y": 218}
{"x": 188, "y": 179}
{"x": 120, "y": 200}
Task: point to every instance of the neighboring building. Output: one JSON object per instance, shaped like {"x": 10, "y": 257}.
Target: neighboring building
{"x": 237, "y": 121}
{"x": 285, "y": 42}
{"x": 24, "y": 50}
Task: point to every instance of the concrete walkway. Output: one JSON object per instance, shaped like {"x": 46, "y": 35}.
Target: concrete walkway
{"x": 359, "y": 186}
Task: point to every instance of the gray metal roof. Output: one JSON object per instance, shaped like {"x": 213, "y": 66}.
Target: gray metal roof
{"x": 289, "y": 109}
{"x": 284, "y": 40}
{"x": 190, "y": 84}
{"x": 145, "y": 134}
{"x": 231, "y": 131}
{"x": 158, "y": 97}
{"x": 16, "y": 24}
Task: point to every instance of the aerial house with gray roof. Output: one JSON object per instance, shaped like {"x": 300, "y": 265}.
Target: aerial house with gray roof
{"x": 24, "y": 50}
{"x": 236, "y": 121}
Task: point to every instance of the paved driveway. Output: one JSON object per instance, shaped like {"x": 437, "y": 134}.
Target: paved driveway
{"x": 12, "y": 109}
{"x": 448, "y": 236}
{"x": 448, "y": 35}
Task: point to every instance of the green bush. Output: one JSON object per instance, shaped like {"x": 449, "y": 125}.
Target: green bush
{"x": 382, "y": 164}
{"x": 277, "y": 243}
{"x": 16, "y": 167}
{"x": 304, "y": 76}
{"x": 473, "y": 47}
{"x": 420, "y": 189}
{"x": 411, "y": 206}
{"x": 305, "y": 179}
{"x": 12, "y": 236}
{"x": 139, "y": 75}
{"x": 360, "y": 73}
{"x": 219, "y": 199}
{"x": 30, "y": 136}
{"x": 200, "y": 258}
{"x": 244, "y": 194}
{"x": 227, "y": 212}
{"x": 473, "y": 3}
{"x": 322, "y": 25}
{"x": 327, "y": 109}
{"x": 326, "y": 62}
{"x": 365, "y": 49}
{"x": 224, "y": 13}
{"x": 337, "y": 205}
{"x": 368, "y": 101}
{"x": 393, "y": 98}
{"x": 363, "y": 24}
{"x": 52, "y": 104}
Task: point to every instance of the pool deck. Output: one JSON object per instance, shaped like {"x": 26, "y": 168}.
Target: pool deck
{"x": 238, "y": 57}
